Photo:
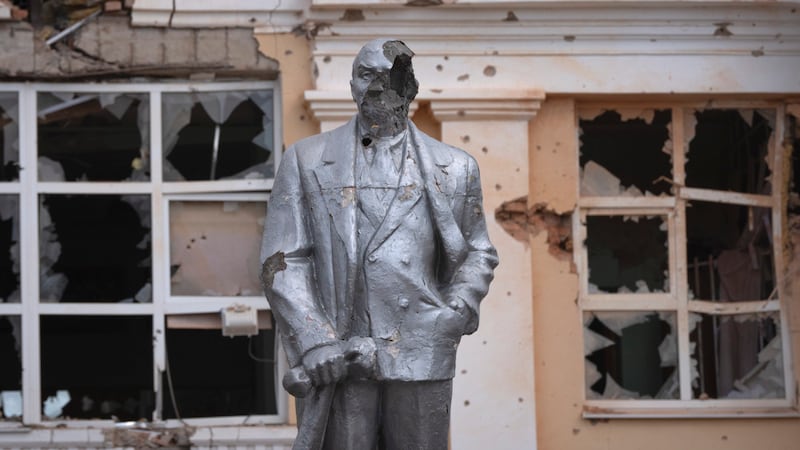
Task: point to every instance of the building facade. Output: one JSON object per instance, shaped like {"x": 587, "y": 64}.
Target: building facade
{"x": 639, "y": 166}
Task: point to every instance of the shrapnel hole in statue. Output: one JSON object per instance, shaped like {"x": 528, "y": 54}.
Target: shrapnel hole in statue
{"x": 376, "y": 257}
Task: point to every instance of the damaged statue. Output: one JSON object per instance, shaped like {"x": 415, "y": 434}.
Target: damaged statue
{"x": 375, "y": 260}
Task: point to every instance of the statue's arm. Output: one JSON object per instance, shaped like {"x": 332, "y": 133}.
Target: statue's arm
{"x": 288, "y": 269}
{"x": 470, "y": 283}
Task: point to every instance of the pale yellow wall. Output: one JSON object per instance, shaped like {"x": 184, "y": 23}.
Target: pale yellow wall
{"x": 558, "y": 332}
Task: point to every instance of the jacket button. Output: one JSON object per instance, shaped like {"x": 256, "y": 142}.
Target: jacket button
{"x": 403, "y": 302}
{"x": 372, "y": 258}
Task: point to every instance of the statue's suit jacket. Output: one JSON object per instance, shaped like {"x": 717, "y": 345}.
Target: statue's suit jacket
{"x": 432, "y": 247}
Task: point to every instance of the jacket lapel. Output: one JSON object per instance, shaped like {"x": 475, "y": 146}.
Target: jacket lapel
{"x": 336, "y": 179}
{"x": 433, "y": 168}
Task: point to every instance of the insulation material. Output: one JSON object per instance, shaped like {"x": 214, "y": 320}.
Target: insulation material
{"x": 218, "y": 135}
{"x": 211, "y": 247}
{"x": 630, "y": 355}
{"x": 9, "y": 249}
{"x": 54, "y": 405}
{"x": 93, "y": 137}
{"x": 9, "y": 136}
{"x": 12, "y": 404}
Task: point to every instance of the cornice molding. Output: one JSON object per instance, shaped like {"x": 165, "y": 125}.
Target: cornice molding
{"x": 447, "y": 105}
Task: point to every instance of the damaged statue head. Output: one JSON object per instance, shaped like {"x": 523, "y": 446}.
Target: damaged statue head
{"x": 375, "y": 260}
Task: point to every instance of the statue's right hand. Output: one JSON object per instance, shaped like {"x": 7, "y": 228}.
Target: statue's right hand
{"x": 325, "y": 364}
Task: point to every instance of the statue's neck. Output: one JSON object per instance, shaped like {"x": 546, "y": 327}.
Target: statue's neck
{"x": 381, "y": 129}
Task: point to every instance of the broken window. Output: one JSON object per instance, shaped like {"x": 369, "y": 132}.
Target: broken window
{"x": 98, "y": 367}
{"x": 213, "y": 375}
{"x": 612, "y": 141}
{"x": 105, "y": 234}
{"x": 93, "y": 137}
{"x": 729, "y": 252}
{"x": 631, "y": 355}
{"x": 218, "y": 135}
{"x": 703, "y": 251}
{"x": 213, "y": 247}
{"x": 737, "y": 356}
{"x": 729, "y": 150}
{"x": 9, "y": 249}
{"x": 627, "y": 254}
{"x": 95, "y": 248}
{"x": 9, "y": 136}
{"x": 11, "y": 373}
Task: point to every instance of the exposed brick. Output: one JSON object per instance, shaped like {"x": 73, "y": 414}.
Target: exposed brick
{"x": 149, "y": 46}
{"x": 179, "y": 46}
{"x": 16, "y": 53}
{"x": 211, "y": 48}
{"x": 116, "y": 40}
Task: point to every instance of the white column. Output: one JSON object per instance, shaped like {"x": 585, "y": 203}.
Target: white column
{"x": 493, "y": 399}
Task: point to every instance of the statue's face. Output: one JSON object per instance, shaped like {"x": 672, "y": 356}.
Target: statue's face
{"x": 383, "y": 86}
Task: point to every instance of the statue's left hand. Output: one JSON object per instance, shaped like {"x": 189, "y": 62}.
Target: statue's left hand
{"x": 326, "y": 364}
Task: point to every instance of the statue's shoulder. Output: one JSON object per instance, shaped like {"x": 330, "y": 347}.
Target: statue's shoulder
{"x": 313, "y": 146}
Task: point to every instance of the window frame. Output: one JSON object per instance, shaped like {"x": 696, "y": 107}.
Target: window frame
{"x": 27, "y": 188}
{"x": 677, "y": 300}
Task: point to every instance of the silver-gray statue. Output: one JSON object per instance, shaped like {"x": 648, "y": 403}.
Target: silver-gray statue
{"x": 376, "y": 258}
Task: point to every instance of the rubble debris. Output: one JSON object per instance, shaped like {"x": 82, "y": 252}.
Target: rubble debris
{"x": 729, "y": 151}
{"x": 218, "y": 135}
{"x": 212, "y": 243}
{"x": 521, "y": 222}
{"x": 613, "y": 141}
{"x": 627, "y": 256}
{"x": 93, "y": 248}
{"x": 109, "y": 361}
{"x": 637, "y": 363}
{"x": 93, "y": 137}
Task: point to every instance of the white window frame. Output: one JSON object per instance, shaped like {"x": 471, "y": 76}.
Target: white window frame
{"x": 677, "y": 300}
{"x": 28, "y": 188}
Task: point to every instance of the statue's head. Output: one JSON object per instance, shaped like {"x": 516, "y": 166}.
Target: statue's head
{"x": 383, "y": 86}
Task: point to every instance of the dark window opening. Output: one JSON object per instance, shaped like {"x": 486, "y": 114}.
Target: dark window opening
{"x": 95, "y": 248}
{"x": 218, "y": 135}
{"x": 9, "y": 137}
{"x": 629, "y": 153}
{"x": 9, "y": 249}
{"x": 631, "y": 355}
{"x": 729, "y": 252}
{"x": 93, "y": 137}
{"x": 214, "y": 375}
{"x": 627, "y": 253}
{"x": 738, "y": 356}
{"x": 97, "y": 367}
{"x": 729, "y": 151}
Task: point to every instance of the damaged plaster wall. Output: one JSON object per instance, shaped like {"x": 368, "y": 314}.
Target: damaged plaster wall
{"x": 109, "y": 47}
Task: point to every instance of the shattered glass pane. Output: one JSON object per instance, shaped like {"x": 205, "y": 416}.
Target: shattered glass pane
{"x": 11, "y": 373}
{"x": 729, "y": 252}
{"x": 95, "y": 248}
{"x": 214, "y": 375}
{"x": 627, "y": 254}
{"x": 9, "y": 136}
{"x": 729, "y": 150}
{"x": 631, "y": 355}
{"x": 737, "y": 356}
{"x": 211, "y": 247}
{"x": 218, "y": 135}
{"x": 98, "y": 367}
{"x": 626, "y": 155}
{"x": 9, "y": 249}
{"x": 93, "y": 136}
